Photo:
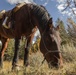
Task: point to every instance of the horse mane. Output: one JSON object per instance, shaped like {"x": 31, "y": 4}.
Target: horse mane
{"x": 41, "y": 14}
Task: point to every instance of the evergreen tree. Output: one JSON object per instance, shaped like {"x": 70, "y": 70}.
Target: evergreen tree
{"x": 63, "y": 33}
{"x": 9, "y": 53}
{"x": 72, "y": 30}
{"x": 35, "y": 46}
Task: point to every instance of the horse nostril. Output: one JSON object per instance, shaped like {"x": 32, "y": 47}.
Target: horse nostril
{"x": 53, "y": 64}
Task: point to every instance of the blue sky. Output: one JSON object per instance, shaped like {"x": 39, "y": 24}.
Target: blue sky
{"x": 5, "y": 5}
{"x": 51, "y": 7}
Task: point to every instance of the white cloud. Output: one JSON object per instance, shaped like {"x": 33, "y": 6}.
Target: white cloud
{"x": 60, "y": 1}
{"x": 62, "y": 5}
{"x": 19, "y": 1}
{"x": 46, "y": 3}
{"x": 27, "y": 1}
{"x": 74, "y": 9}
{"x": 67, "y": 13}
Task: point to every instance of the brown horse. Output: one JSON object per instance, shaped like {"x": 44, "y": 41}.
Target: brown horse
{"x": 4, "y": 37}
{"x": 28, "y": 17}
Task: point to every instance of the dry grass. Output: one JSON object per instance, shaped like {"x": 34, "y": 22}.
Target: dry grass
{"x": 35, "y": 67}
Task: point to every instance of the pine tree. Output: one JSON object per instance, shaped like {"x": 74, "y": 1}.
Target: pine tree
{"x": 63, "y": 33}
{"x": 72, "y": 30}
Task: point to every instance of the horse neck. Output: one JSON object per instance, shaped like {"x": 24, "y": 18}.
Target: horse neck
{"x": 41, "y": 15}
{"x": 42, "y": 24}
{"x": 36, "y": 23}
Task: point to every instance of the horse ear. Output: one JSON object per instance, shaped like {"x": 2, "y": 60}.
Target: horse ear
{"x": 50, "y": 20}
{"x": 51, "y": 26}
{"x": 50, "y": 23}
{"x": 58, "y": 27}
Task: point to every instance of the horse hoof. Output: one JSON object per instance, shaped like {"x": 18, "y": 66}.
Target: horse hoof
{"x": 26, "y": 64}
{"x": 16, "y": 67}
{"x": 1, "y": 66}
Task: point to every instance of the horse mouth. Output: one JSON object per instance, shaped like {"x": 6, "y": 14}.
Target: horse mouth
{"x": 53, "y": 65}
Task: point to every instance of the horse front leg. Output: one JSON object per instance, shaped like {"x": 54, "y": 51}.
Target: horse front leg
{"x": 26, "y": 53}
{"x": 4, "y": 47}
{"x": 16, "y": 53}
{"x": 28, "y": 46}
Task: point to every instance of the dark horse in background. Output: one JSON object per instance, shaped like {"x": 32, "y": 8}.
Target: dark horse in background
{"x": 5, "y": 35}
{"x": 28, "y": 17}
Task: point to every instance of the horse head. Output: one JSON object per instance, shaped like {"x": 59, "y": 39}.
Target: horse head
{"x": 50, "y": 45}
